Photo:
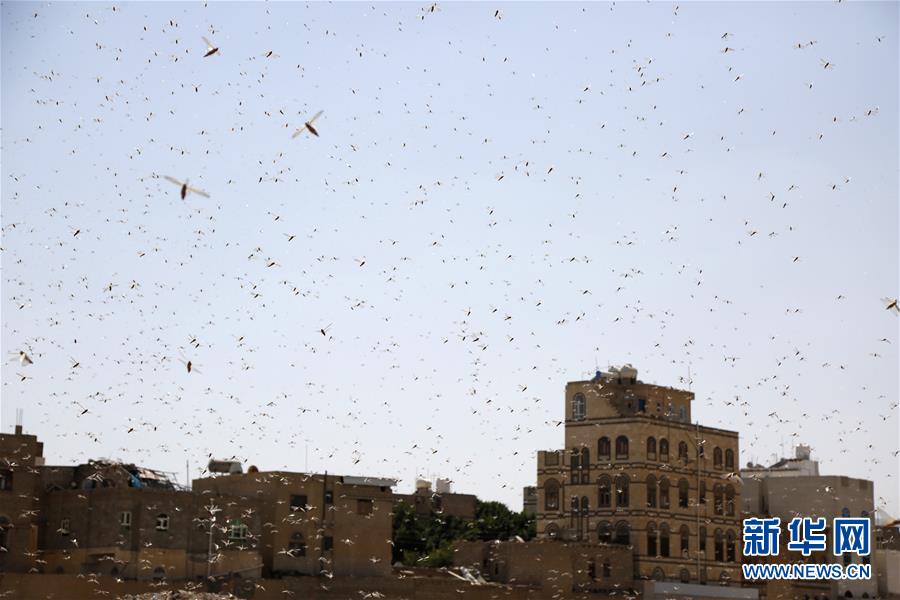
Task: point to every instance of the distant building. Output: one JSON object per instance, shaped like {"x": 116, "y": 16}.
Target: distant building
{"x": 440, "y": 501}
{"x": 793, "y": 487}
{"x": 636, "y": 472}
{"x": 529, "y": 500}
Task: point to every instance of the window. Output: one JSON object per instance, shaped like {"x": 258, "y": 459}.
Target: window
{"x": 604, "y": 532}
{"x": 603, "y": 448}
{"x": 64, "y": 527}
{"x": 664, "y": 450}
{"x": 162, "y": 522}
{"x": 651, "y": 539}
{"x": 592, "y": 570}
{"x": 642, "y": 405}
{"x": 664, "y": 492}
{"x": 125, "y": 520}
{"x": 651, "y": 448}
{"x": 702, "y": 494}
{"x": 607, "y": 568}
{"x": 4, "y": 536}
{"x": 623, "y": 533}
{"x": 604, "y": 497}
{"x": 576, "y": 466}
{"x": 685, "y": 541}
{"x": 551, "y": 495}
{"x": 329, "y": 497}
{"x": 730, "y": 548}
{"x": 729, "y": 459}
{"x": 573, "y": 513}
{"x": 578, "y": 407}
{"x": 729, "y": 500}
{"x": 682, "y": 493}
{"x": 364, "y": 506}
{"x": 585, "y": 465}
{"x": 717, "y": 457}
{"x": 682, "y": 414}
{"x": 622, "y": 490}
{"x": 684, "y": 574}
{"x": 664, "y": 540}
{"x": 682, "y": 452}
{"x": 552, "y": 530}
{"x": 702, "y": 540}
{"x": 327, "y": 543}
{"x": 621, "y": 448}
{"x": 6, "y": 480}
{"x": 651, "y": 491}
{"x": 718, "y": 499}
{"x": 719, "y": 548}
{"x": 298, "y": 502}
{"x": 237, "y": 530}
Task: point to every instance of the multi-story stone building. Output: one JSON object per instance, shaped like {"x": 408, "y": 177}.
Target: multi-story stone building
{"x": 636, "y": 472}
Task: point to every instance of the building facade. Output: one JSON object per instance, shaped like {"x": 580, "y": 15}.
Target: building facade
{"x": 793, "y": 487}
{"x": 129, "y": 522}
{"x": 636, "y": 472}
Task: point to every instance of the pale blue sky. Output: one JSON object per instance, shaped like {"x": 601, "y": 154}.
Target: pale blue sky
{"x": 636, "y": 247}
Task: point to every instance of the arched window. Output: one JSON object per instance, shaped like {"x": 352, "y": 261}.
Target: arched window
{"x": 651, "y": 491}
{"x": 623, "y": 533}
{"x": 551, "y": 495}
{"x": 730, "y": 552}
{"x": 684, "y": 575}
{"x": 658, "y": 574}
{"x": 604, "y": 532}
{"x": 717, "y": 457}
{"x": 719, "y": 546}
{"x": 162, "y": 523}
{"x": 159, "y": 573}
{"x": 573, "y": 513}
{"x": 729, "y": 500}
{"x": 622, "y": 490}
{"x": 718, "y": 499}
{"x": 701, "y": 496}
{"x": 603, "y": 448}
{"x": 552, "y": 530}
{"x": 664, "y": 450}
{"x": 297, "y": 545}
{"x": 651, "y": 539}
{"x": 664, "y": 492}
{"x": 729, "y": 459}
{"x": 651, "y": 448}
{"x": 702, "y": 541}
{"x": 578, "y": 407}
{"x": 585, "y": 465}
{"x": 682, "y": 452}
{"x": 604, "y": 496}
{"x": 685, "y": 541}
{"x": 664, "y": 539}
{"x": 621, "y": 448}
{"x": 682, "y": 493}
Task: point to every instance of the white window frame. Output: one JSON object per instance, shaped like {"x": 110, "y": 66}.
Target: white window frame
{"x": 162, "y": 522}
